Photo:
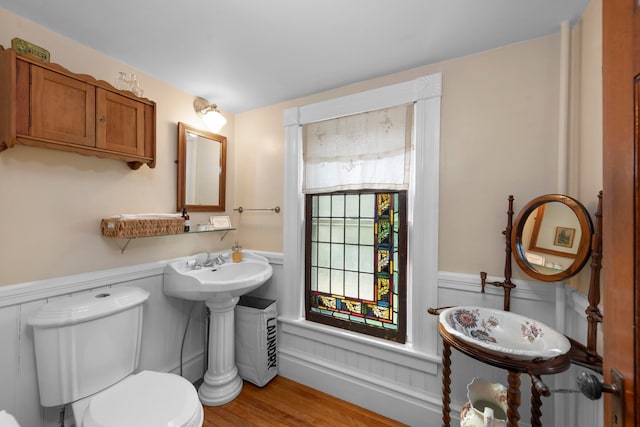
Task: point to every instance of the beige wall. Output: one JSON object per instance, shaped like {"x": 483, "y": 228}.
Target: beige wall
{"x": 52, "y": 201}
{"x": 586, "y": 138}
{"x": 499, "y": 137}
{"x": 585, "y": 141}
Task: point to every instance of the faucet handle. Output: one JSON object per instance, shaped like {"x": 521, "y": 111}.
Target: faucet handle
{"x": 193, "y": 264}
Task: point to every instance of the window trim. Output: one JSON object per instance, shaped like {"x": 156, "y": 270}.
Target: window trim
{"x": 422, "y": 214}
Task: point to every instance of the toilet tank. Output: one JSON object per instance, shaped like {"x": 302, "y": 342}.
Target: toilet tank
{"x": 87, "y": 342}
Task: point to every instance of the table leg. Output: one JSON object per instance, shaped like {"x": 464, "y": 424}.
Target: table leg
{"x": 446, "y": 384}
{"x": 536, "y": 404}
{"x": 513, "y": 399}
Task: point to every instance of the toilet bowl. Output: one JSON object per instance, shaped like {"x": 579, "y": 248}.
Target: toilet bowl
{"x": 7, "y": 420}
{"x": 147, "y": 399}
{"x": 87, "y": 349}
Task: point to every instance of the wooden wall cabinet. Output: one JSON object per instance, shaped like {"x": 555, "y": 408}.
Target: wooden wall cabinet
{"x": 45, "y": 105}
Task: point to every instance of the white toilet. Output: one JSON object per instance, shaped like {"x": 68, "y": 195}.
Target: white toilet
{"x": 87, "y": 348}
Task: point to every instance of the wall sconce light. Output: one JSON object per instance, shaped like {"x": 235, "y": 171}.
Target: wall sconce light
{"x": 212, "y": 118}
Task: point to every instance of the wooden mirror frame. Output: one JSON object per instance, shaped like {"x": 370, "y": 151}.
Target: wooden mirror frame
{"x": 584, "y": 245}
{"x": 183, "y": 129}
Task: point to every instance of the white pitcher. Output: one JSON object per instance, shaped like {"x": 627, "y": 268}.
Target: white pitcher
{"x": 487, "y": 405}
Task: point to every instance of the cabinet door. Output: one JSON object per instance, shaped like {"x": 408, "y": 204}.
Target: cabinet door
{"x": 120, "y": 123}
{"x": 62, "y": 108}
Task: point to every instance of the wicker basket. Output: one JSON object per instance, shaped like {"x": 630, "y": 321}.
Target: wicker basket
{"x": 130, "y": 228}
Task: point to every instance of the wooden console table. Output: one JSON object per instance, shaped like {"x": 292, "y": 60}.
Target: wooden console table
{"x": 534, "y": 369}
{"x": 579, "y": 354}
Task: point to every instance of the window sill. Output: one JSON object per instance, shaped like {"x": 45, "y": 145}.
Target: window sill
{"x": 403, "y": 354}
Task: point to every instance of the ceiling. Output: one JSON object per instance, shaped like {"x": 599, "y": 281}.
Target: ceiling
{"x": 245, "y": 54}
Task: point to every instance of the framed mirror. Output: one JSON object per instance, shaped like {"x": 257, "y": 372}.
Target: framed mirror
{"x": 202, "y": 170}
{"x": 551, "y": 237}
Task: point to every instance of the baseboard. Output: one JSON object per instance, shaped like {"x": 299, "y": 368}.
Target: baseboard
{"x": 411, "y": 409}
{"x": 192, "y": 367}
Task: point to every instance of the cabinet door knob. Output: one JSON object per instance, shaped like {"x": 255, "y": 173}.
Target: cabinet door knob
{"x": 102, "y": 118}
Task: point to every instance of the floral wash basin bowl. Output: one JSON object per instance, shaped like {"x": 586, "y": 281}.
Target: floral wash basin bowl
{"x": 504, "y": 333}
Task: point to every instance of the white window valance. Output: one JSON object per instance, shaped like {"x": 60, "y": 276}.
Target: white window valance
{"x": 370, "y": 150}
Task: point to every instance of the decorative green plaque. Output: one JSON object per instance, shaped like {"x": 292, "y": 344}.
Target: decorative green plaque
{"x": 23, "y": 46}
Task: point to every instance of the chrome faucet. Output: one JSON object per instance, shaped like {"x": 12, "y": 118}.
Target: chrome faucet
{"x": 210, "y": 262}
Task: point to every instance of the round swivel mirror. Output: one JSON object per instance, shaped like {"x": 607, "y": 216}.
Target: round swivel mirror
{"x": 551, "y": 238}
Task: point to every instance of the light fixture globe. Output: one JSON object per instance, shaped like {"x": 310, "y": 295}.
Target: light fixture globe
{"x": 212, "y": 118}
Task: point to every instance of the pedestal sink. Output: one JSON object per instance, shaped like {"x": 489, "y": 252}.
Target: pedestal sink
{"x": 504, "y": 333}
{"x": 219, "y": 282}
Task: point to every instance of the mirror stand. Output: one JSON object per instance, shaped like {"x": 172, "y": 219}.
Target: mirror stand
{"x": 594, "y": 316}
{"x": 580, "y": 354}
{"x": 587, "y": 356}
{"x": 507, "y": 285}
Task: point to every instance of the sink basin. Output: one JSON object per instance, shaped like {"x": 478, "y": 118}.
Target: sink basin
{"x": 504, "y": 333}
{"x": 219, "y": 281}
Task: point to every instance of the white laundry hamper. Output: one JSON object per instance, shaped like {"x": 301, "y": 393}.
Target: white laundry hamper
{"x": 256, "y": 339}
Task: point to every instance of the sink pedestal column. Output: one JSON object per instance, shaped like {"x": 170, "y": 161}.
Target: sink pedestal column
{"x": 221, "y": 381}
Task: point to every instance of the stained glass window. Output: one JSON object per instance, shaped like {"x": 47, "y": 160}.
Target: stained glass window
{"x": 356, "y": 261}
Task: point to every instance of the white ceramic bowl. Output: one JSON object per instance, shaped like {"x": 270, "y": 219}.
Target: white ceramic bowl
{"x": 504, "y": 333}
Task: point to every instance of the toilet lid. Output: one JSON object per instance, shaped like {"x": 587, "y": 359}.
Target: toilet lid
{"x": 148, "y": 399}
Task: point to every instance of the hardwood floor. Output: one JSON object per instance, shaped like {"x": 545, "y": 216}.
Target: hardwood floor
{"x": 283, "y": 402}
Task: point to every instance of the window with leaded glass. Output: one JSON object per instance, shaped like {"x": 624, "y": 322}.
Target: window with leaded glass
{"x": 355, "y": 254}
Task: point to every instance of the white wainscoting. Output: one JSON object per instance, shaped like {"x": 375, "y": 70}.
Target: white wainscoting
{"x": 164, "y": 324}
{"x": 388, "y": 378}
{"x": 406, "y": 385}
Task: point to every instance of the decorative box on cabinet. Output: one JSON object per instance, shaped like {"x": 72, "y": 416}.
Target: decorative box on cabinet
{"x": 45, "y": 105}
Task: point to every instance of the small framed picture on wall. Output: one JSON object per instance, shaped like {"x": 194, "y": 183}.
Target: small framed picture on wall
{"x": 564, "y": 237}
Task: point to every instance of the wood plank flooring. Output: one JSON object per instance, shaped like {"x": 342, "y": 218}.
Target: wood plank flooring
{"x": 283, "y": 402}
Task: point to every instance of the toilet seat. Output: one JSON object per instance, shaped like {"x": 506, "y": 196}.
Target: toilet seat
{"x": 147, "y": 399}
